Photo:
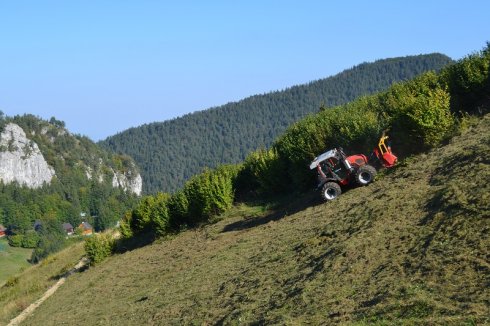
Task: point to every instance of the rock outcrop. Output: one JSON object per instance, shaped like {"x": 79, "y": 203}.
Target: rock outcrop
{"x": 21, "y": 160}
{"x": 128, "y": 181}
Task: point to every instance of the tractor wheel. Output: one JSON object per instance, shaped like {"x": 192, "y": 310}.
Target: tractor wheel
{"x": 365, "y": 175}
{"x": 330, "y": 191}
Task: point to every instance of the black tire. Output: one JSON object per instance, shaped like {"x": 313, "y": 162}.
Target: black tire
{"x": 365, "y": 175}
{"x": 330, "y": 191}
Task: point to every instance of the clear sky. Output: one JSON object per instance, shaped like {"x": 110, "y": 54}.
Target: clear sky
{"x": 105, "y": 66}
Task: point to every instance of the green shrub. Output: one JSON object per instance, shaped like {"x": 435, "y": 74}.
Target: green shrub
{"x": 179, "y": 209}
{"x": 51, "y": 240}
{"x": 264, "y": 171}
{"x": 160, "y": 217}
{"x": 15, "y": 240}
{"x": 141, "y": 218}
{"x": 419, "y": 112}
{"x": 210, "y": 193}
{"x": 98, "y": 247}
{"x": 31, "y": 239}
{"x": 125, "y": 225}
{"x": 468, "y": 81}
{"x": 151, "y": 214}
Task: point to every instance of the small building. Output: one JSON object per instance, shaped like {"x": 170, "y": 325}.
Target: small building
{"x": 68, "y": 228}
{"x": 86, "y": 228}
{"x": 3, "y": 231}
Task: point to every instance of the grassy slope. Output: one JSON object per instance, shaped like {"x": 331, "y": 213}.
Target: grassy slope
{"x": 12, "y": 260}
{"x": 412, "y": 248}
{"x": 31, "y": 284}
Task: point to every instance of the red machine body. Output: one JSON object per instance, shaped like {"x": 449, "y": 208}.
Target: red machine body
{"x": 336, "y": 169}
{"x": 384, "y": 154}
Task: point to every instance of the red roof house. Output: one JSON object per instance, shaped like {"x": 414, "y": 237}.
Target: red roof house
{"x": 86, "y": 228}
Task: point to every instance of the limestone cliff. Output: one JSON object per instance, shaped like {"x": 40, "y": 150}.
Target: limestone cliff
{"x": 128, "y": 181}
{"x": 21, "y": 160}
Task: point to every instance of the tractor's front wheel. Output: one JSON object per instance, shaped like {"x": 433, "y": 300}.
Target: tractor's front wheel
{"x": 330, "y": 191}
{"x": 365, "y": 175}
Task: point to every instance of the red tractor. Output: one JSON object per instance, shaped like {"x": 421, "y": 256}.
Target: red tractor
{"x": 335, "y": 169}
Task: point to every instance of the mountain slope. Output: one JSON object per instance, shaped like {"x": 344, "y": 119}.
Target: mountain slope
{"x": 412, "y": 248}
{"x": 170, "y": 152}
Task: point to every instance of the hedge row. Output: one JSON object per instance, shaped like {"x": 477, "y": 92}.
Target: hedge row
{"x": 205, "y": 195}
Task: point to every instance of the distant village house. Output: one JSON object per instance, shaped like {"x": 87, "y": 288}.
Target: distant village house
{"x": 68, "y": 228}
{"x": 86, "y": 228}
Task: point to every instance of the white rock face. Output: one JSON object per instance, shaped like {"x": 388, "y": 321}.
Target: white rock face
{"x": 128, "y": 181}
{"x": 21, "y": 160}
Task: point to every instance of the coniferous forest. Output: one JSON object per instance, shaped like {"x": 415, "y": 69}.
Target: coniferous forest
{"x": 169, "y": 153}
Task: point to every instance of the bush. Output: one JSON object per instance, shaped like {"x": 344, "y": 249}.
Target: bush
{"x": 30, "y": 239}
{"x": 178, "y": 206}
{"x": 468, "y": 82}
{"x": 419, "y": 112}
{"x": 141, "y": 218}
{"x": 151, "y": 214}
{"x": 263, "y": 171}
{"x": 210, "y": 193}
{"x": 15, "y": 240}
{"x": 125, "y": 225}
{"x": 160, "y": 217}
{"x": 98, "y": 247}
{"x": 48, "y": 243}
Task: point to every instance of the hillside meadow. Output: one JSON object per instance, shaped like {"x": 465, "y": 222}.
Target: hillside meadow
{"x": 25, "y": 287}
{"x": 410, "y": 249}
{"x": 12, "y": 260}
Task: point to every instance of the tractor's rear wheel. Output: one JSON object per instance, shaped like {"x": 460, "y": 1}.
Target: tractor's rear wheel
{"x": 330, "y": 191}
{"x": 365, "y": 175}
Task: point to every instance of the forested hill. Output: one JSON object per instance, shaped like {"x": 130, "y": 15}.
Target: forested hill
{"x": 49, "y": 176}
{"x": 169, "y": 152}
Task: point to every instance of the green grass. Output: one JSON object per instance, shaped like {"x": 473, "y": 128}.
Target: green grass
{"x": 410, "y": 249}
{"x": 29, "y": 285}
{"x": 12, "y": 260}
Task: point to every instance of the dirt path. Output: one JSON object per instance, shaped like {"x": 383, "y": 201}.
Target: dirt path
{"x": 29, "y": 310}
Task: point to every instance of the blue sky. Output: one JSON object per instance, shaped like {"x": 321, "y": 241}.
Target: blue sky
{"x": 105, "y": 66}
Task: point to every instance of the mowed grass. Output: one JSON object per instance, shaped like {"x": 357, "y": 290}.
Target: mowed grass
{"x": 12, "y": 260}
{"x": 410, "y": 249}
{"x": 26, "y": 287}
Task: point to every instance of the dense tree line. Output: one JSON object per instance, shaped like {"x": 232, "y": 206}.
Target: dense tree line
{"x": 170, "y": 152}
{"x": 420, "y": 114}
{"x": 71, "y": 197}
